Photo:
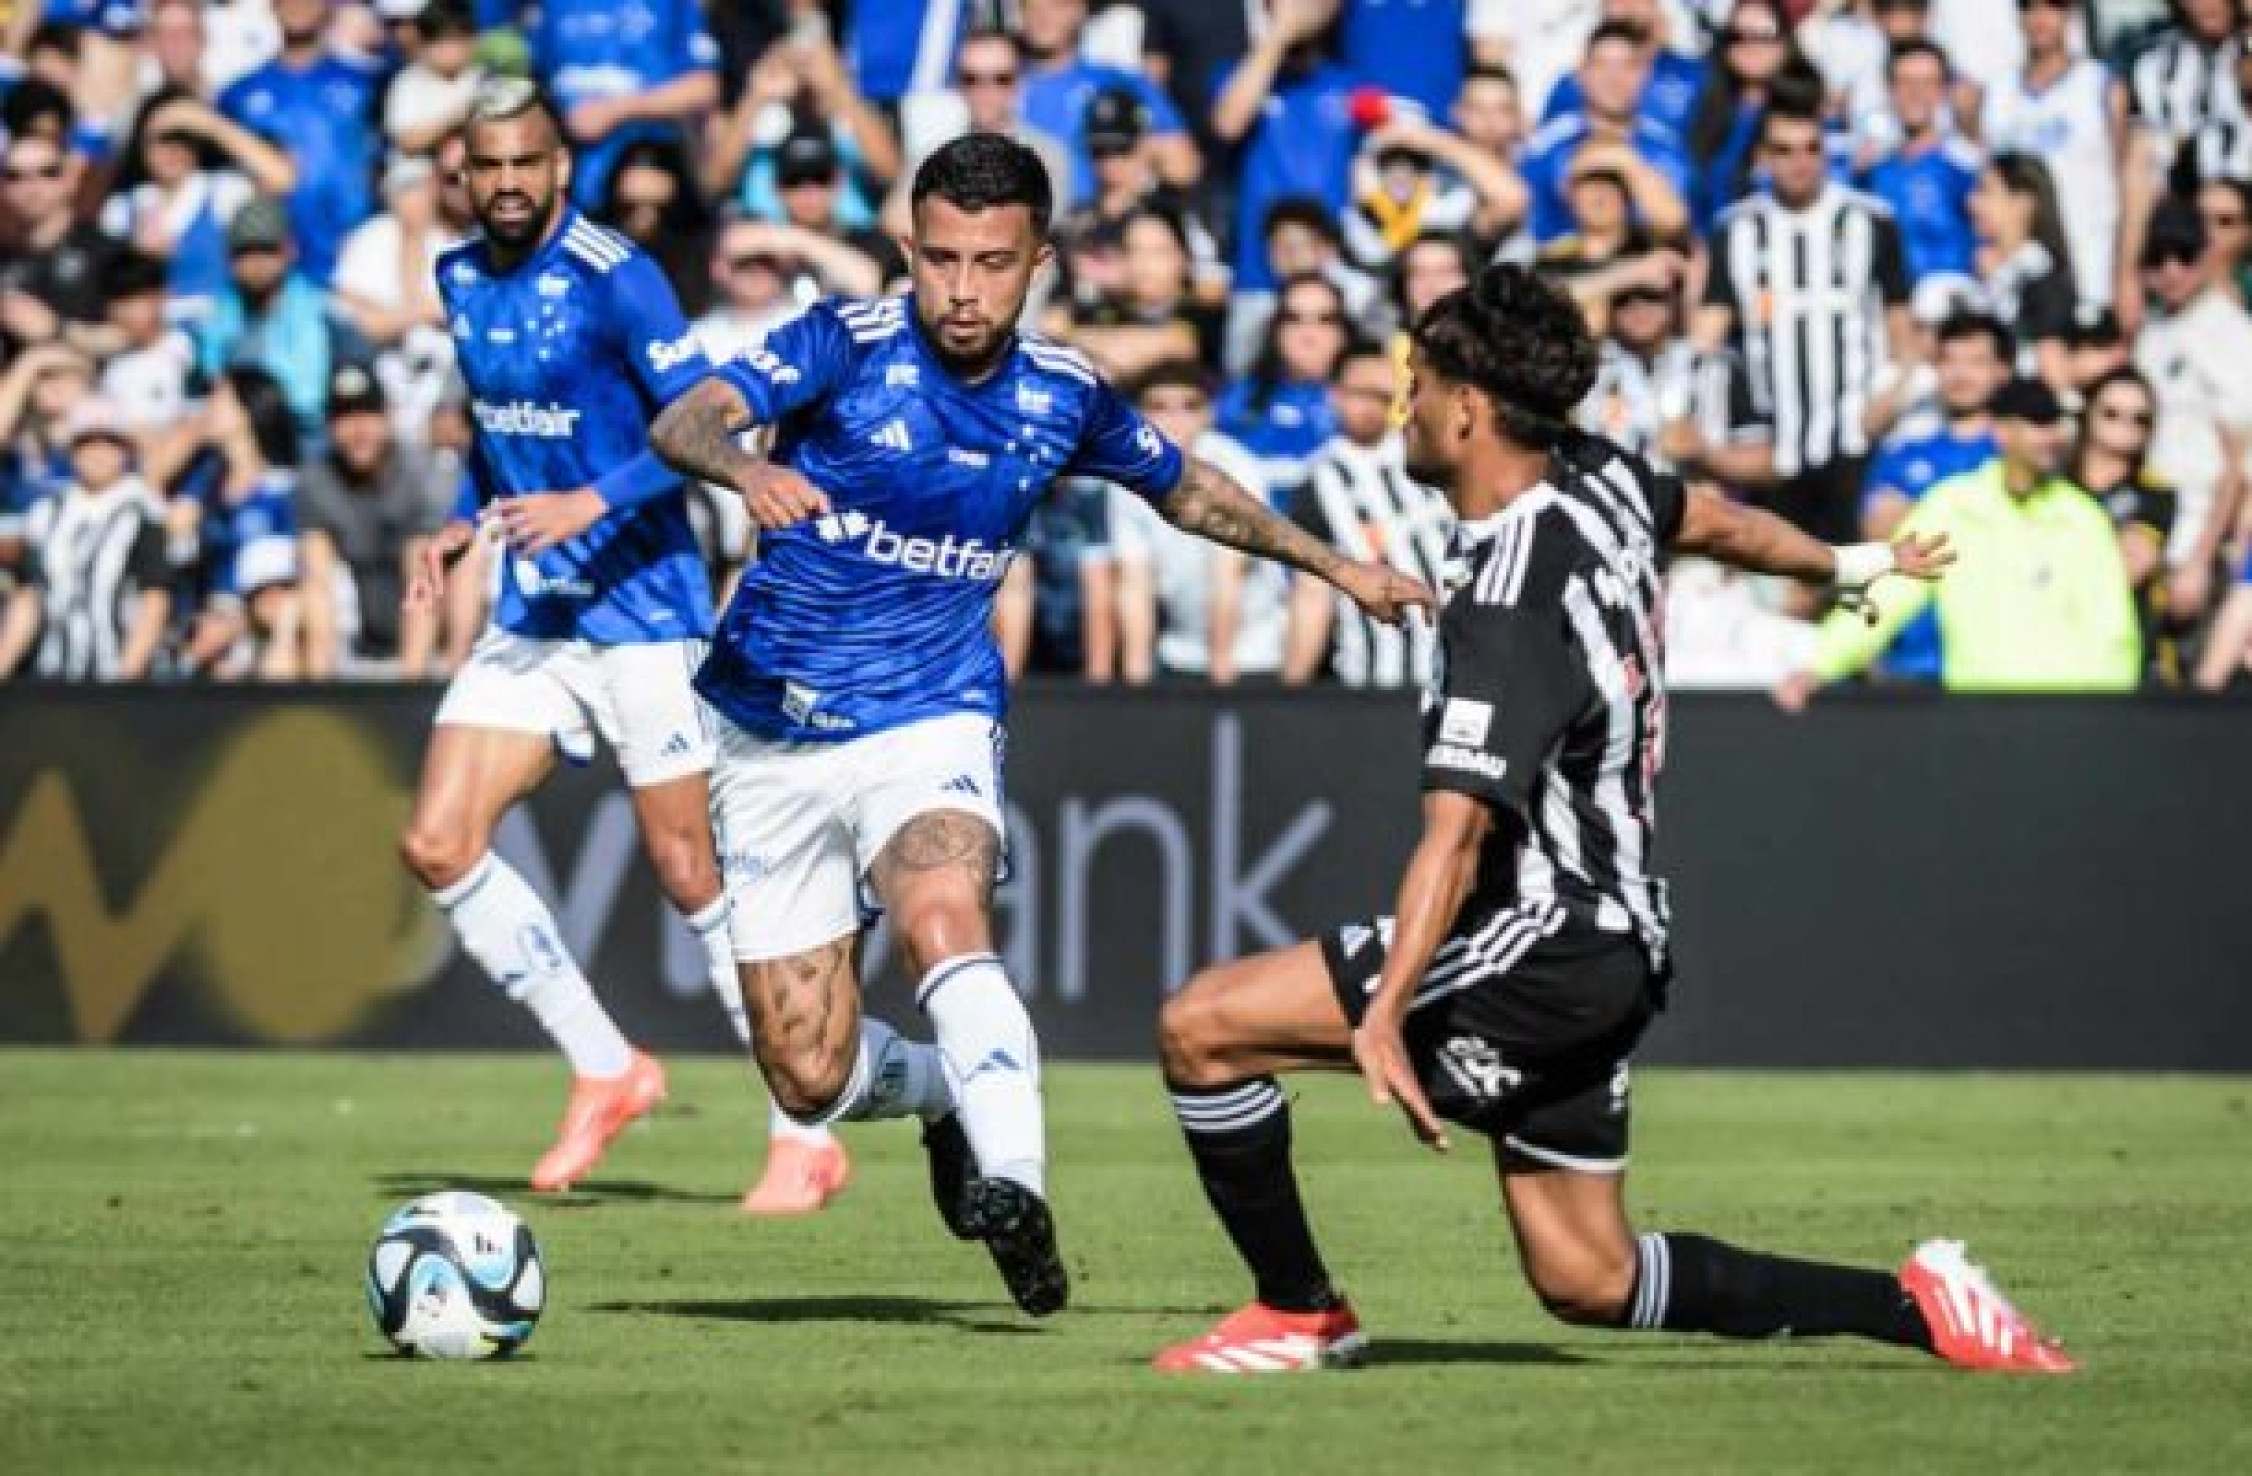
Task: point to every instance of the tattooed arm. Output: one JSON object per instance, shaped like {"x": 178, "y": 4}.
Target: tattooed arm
{"x": 1210, "y": 504}
{"x": 699, "y": 435}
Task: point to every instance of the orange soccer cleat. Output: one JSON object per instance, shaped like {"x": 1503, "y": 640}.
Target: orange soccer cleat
{"x": 802, "y": 1176}
{"x": 599, "y": 1110}
{"x": 1259, "y": 1339}
{"x": 1972, "y": 1324}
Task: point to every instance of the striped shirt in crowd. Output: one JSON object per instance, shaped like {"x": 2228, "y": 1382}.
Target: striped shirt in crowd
{"x": 2222, "y": 150}
{"x": 1809, "y": 290}
{"x": 93, "y": 556}
{"x": 1551, "y": 703}
{"x": 1361, "y": 501}
{"x": 2181, "y": 84}
{"x": 1636, "y": 398}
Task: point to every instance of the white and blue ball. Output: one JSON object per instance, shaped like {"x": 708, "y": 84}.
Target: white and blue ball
{"x": 456, "y": 1275}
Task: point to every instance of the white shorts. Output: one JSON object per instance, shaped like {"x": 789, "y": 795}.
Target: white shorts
{"x": 638, "y": 698}
{"x": 799, "y": 824}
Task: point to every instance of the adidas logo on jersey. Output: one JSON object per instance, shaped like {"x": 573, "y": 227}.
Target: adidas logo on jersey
{"x": 524, "y": 418}
{"x": 892, "y": 436}
{"x": 961, "y": 784}
{"x": 948, "y": 557}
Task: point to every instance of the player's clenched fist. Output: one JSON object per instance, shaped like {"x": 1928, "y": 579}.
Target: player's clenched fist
{"x": 778, "y": 497}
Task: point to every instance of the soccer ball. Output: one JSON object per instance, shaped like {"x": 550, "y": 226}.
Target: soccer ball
{"x": 456, "y": 1275}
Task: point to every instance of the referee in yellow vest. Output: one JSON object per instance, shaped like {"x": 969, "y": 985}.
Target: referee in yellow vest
{"x": 2038, "y": 599}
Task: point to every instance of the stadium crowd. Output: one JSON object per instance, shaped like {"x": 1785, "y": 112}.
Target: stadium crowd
{"x": 1961, "y": 265}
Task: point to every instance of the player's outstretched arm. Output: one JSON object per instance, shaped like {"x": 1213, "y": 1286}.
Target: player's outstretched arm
{"x": 1210, "y": 504}
{"x": 699, "y": 434}
{"x": 1728, "y": 532}
{"x": 1436, "y": 884}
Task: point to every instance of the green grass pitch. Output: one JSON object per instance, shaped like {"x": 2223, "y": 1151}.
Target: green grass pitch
{"x": 182, "y": 1236}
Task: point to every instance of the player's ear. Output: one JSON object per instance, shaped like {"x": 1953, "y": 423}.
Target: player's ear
{"x": 1043, "y": 254}
{"x": 562, "y": 170}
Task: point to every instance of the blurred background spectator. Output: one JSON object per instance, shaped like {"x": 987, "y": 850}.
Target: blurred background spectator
{"x": 1813, "y": 237}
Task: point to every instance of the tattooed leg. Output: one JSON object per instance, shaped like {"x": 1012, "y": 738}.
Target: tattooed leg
{"x": 936, "y": 876}
{"x": 805, "y": 1022}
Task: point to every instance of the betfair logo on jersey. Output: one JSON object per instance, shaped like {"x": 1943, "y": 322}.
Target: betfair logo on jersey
{"x": 666, "y": 357}
{"x": 1468, "y": 760}
{"x": 947, "y": 558}
{"x": 551, "y": 421}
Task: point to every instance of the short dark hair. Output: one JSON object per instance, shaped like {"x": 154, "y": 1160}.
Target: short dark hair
{"x": 133, "y": 274}
{"x": 1617, "y": 30}
{"x": 1521, "y": 340}
{"x": 1913, "y": 47}
{"x": 1778, "y": 113}
{"x": 31, "y": 100}
{"x": 1488, "y": 72}
{"x": 1965, "y": 325}
{"x": 1362, "y": 348}
{"x": 1174, "y": 374}
{"x": 1300, "y": 210}
{"x": 979, "y": 171}
{"x": 55, "y": 35}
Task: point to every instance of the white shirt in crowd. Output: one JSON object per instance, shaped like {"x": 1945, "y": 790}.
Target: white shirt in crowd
{"x": 1181, "y": 570}
{"x": 2196, "y": 360}
{"x": 420, "y": 98}
{"x": 2067, "y": 126}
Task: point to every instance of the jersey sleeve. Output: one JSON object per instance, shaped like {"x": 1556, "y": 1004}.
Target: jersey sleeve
{"x": 1118, "y": 445}
{"x": 146, "y": 562}
{"x": 1515, "y": 679}
{"x": 664, "y": 354}
{"x": 801, "y": 362}
{"x": 1891, "y": 266}
{"x": 1164, "y": 118}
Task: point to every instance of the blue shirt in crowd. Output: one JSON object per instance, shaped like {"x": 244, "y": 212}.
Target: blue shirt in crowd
{"x": 590, "y": 50}
{"x": 1410, "y": 48}
{"x": 1055, "y": 102}
{"x": 1302, "y": 144}
{"x": 1547, "y": 168}
{"x": 324, "y": 116}
{"x": 1930, "y": 196}
{"x": 1669, "y": 100}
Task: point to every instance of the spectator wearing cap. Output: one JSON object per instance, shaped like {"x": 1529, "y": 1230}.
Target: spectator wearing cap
{"x": 1288, "y": 108}
{"x": 95, "y": 605}
{"x": 1669, "y": 97}
{"x": 826, "y": 255}
{"x": 622, "y": 71}
{"x": 188, "y": 169}
{"x": 274, "y": 317}
{"x": 233, "y": 526}
{"x": 51, "y": 263}
{"x": 1059, "y": 83}
{"x": 148, "y": 376}
{"x": 2038, "y": 599}
{"x": 1607, "y": 133}
{"x": 2178, "y": 84}
{"x": 1125, "y": 182}
{"x": 2195, "y": 348}
{"x": 387, "y": 288}
{"x": 1926, "y": 176}
{"x": 317, "y": 105}
{"x": 799, "y": 84}
{"x": 1413, "y": 178}
{"x": 364, "y": 511}
{"x": 430, "y": 96}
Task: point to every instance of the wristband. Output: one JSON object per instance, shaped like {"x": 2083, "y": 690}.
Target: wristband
{"x": 1861, "y": 564}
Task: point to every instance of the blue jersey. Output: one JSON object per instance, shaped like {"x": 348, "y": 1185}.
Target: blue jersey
{"x": 1414, "y": 49}
{"x": 568, "y": 357}
{"x": 1283, "y": 428}
{"x": 1669, "y": 99}
{"x": 1303, "y": 144}
{"x": 1548, "y": 165}
{"x": 880, "y": 613}
{"x": 1056, "y": 100}
{"x": 1930, "y": 196}
{"x": 1910, "y": 468}
{"x": 248, "y": 543}
{"x": 324, "y": 116}
{"x": 601, "y": 50}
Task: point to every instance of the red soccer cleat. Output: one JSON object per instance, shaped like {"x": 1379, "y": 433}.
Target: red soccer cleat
{"x": 599, "y": 1110}
{"x": 1972, "y": 1324}
{"x": 802, "y": 1176}
{"x": 1259, "y": 1339}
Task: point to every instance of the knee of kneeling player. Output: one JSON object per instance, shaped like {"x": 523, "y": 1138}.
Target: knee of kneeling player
{"x": 1587, "y": 1294}
{"x": 806, "y": 1083}
{"x": 1188, "y": 1040}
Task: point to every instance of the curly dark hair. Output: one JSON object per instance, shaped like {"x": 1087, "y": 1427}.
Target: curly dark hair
{"x": 981, "y": 170}
{"x": 1520, "y": 339}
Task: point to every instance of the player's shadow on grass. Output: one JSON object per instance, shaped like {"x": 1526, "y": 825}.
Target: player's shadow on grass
{"x": 1428, "y": 1352}
{"x": 414, "y": 1184}
{"x": 926, "y": 1311}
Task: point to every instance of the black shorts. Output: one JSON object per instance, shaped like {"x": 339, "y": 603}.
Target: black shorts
{"x": 1521, "y": 1030}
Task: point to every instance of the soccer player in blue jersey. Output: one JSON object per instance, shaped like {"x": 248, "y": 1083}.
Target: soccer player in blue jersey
{"x": 860, "y": 691}
{"x": 570, "y": 340}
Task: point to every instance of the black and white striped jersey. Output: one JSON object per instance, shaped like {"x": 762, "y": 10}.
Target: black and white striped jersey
{"x": 1550, "y": 702}
{"x": 2181, "y": 84}
{"x": 93, "y": 555}
{"x": 2222, "y": 149}
{"x": 1808, "y": 290}
{"x": 1361, "y": 501}
{"x": 1635, "y": 398}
